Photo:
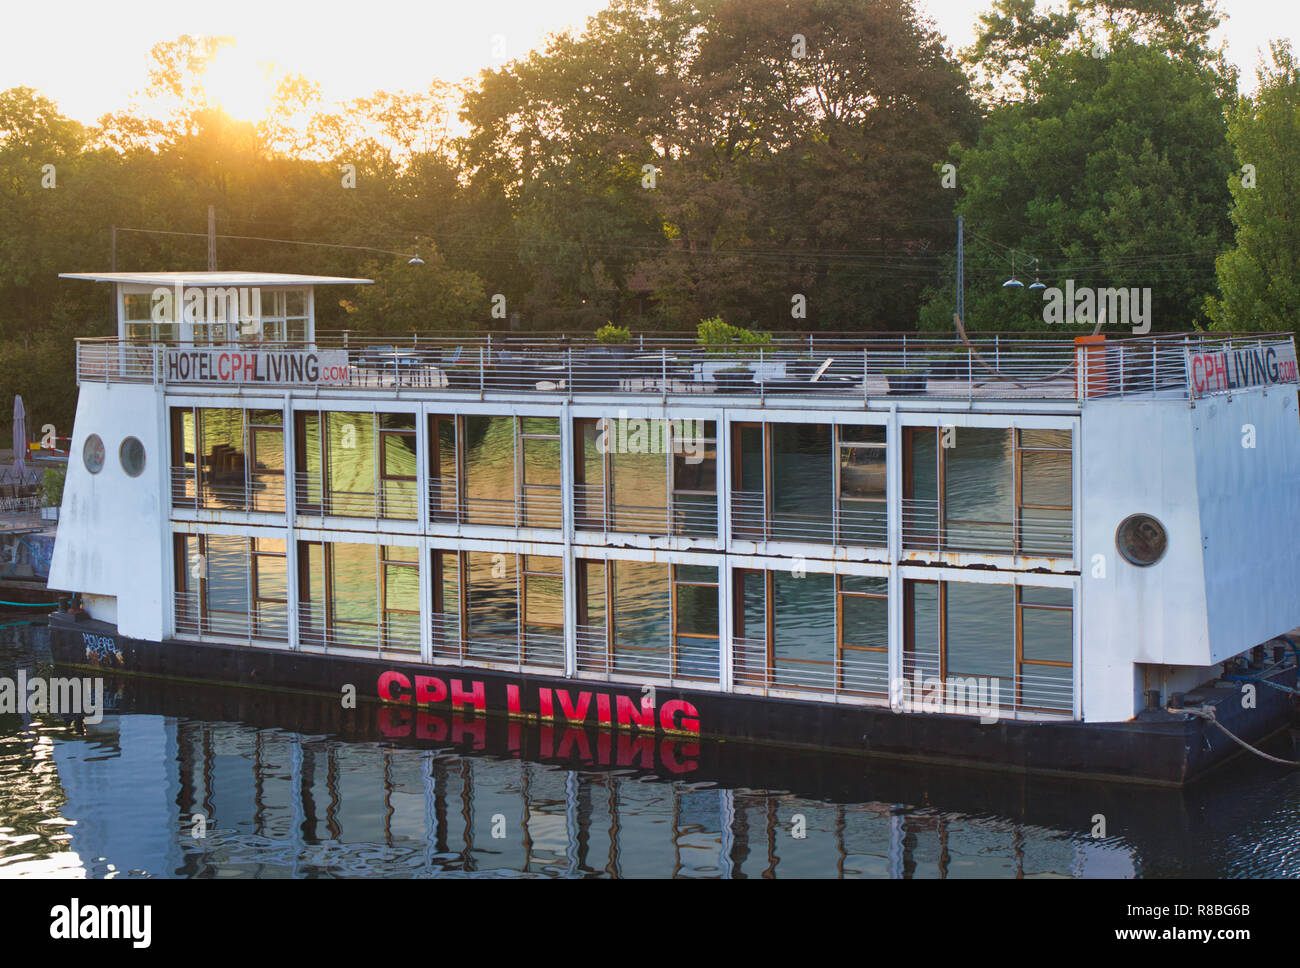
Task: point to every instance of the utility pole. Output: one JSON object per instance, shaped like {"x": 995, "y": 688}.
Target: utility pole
{"x": 961, "y": 271}
{"x": 212, "y": 238}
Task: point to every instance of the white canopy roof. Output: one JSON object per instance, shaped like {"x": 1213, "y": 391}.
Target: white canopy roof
{"x": 204, "y": 278}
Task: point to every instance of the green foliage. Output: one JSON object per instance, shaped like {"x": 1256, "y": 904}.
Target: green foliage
{"x": 406, "y": 298}
{"x": 717, "y": 337}
{"x": 609, "y": 333}
{"x": 1259, "y": 279}
{"x": 51, "y": 486}
{"x": 1111, "y": 173}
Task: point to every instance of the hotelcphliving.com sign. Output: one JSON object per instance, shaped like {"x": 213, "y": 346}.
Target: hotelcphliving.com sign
{"x": 233, "y": 366}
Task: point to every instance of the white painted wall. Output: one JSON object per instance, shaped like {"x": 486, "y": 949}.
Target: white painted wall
{"x": 1136, "y": 456}
{"x": 112, "y": 528}
{"x": 1227, "y": 580}
{"x": 1250, "y": 517}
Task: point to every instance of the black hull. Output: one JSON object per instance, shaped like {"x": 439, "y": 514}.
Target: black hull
{"x": 1156, "y": 748}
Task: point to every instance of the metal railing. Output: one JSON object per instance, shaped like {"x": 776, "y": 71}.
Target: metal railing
{"x": 1030, "y": 532}
{"x": 751, "y": 520}
{"x": 1030, "y": 692}
{"x": 533, "y": 509}
{"x": 531, "y": 648}
{"x": 196, "y": 488}
{"x": 395, "y": 500}
{"x": 389, "y": 632}
{"x": 853, "y": 674}
{"x": 268, "y": 622}
{"x": 693, "y": 515}
{"x": 1002, "y": 367}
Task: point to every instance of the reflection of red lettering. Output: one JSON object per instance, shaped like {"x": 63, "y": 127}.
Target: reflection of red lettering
{"x": 385, "y": 690}
{"x": 512, "y": 738}
{"x": 474, "y": 728}
{"x": 630, "y": 715}
{"x": 429, "y": 689}
{"x": 573, "y": 736}
{"x": 644, "y": 748}
{"x": 394, "y": 723}
{"x": 573, "y": 715}
{"x": 668, "y": 756}
{"x": 475, "y": 697}
{"x": 431, "y": 727}
{"x": 689, "y": 722}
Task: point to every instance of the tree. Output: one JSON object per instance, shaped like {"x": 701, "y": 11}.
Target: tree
{"x": 1259, "y": 279}
{"x": 1110, "y": 172}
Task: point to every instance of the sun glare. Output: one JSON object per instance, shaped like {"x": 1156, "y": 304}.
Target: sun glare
{"x": 239, "y": 84}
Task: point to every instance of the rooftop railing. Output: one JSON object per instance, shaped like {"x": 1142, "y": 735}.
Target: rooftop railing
{"x": 1001, "y": 367}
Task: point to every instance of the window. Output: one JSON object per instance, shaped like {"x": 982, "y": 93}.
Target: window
{"x": 1045, "y": 492}
{"x": 541, "y": 592}
{"x": 539, "y": 471}
{"x": 397, "y": 465}
{"x": 492, "y": 606}
{"x": 399, "y": 575}
{"x": 226, "y": 457}
{"x": 445, "y": 584}
{"x": 231, "y": 585}
{"x": 1045, "y": 654}
{"x": 695, "y": 621}
{"x": 695, "y": 477}
{"x": 642, "y": 616}
{"x": 356, "y": 464}
{"x": 270, "y": 588}
{"x": 863, "y": 631}
{"x": 997, "y": 490}
{"x": 862, "y": 481}
{"x": 1017, "y": 639}
{"x": 443, "y": 503}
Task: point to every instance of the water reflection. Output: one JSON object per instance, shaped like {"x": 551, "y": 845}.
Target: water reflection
{"x": 298, "y": 787}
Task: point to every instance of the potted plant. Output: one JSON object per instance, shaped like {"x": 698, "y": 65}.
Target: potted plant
{"x": 906, "y": 380}
{"x": 51, "y": 491}
{"x": 602, "y": 367}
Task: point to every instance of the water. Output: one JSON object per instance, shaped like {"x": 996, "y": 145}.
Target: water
{"x": 298, "y": 787}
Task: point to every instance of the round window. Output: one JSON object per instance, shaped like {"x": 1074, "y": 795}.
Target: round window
{"x": 92, "y": 454}
{"x": 131, "y": 454}
{"x": 1141, "y": 539}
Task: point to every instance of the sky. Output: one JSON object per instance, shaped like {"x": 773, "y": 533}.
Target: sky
{"x": 90, "y": 56}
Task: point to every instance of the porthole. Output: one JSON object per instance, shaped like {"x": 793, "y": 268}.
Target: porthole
{"x": 92, "y": 454}
{"x": 131, "y": 454}
{"x": 1141, "y": 539}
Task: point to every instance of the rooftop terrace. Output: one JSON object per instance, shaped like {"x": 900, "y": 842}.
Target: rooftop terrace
{"x": 833, "y": 368}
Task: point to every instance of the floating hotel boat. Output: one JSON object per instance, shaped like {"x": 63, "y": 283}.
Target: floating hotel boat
{"x": 1037, "y": 555}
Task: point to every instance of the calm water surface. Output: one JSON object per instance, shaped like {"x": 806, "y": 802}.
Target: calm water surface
{"x": 293, "y": 787}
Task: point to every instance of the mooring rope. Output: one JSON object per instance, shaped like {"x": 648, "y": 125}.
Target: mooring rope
{"x": 1207, "y": 714}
